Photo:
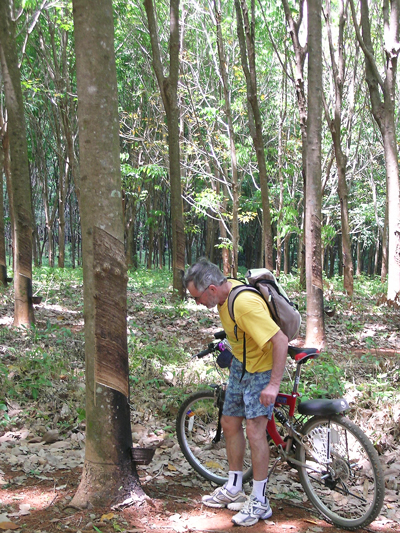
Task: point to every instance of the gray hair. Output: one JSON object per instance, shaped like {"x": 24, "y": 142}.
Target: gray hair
{"x": 203, "y": 273}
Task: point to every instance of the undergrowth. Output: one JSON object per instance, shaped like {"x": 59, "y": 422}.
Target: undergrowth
{"x": 47, "y": 361}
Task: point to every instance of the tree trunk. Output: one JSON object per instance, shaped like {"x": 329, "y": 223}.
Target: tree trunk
{"x": 335, "y": 126}
{"x": 315, "y": 334}
{"x": 359, "y": 256}
{"x": 384, "y": 115}
{"x": 246, "y": 36}
{"x": 169, "y": 92}
{"x": 3, "y": 263}
{"x": 21, "y": 186}
{"x": 109, "y": 475}
{"x": 384, "y": 270}
{"x": 300, "y": 53}
{"x": 231, "y": 134}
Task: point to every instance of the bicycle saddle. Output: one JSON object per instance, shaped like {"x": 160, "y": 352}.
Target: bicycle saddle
{"x": 323, "y": 407}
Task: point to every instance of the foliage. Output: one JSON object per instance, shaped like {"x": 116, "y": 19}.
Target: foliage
{"x": 49, "y": 83}
{"x": 44, "y": 365}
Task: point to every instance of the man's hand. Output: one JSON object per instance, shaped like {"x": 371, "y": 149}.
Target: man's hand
{"x": 279, "y": 354}
{"x": 269, "y": 394}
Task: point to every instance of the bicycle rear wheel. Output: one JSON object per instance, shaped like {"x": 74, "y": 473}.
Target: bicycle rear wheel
{"x": 196, "y": 429}
{"x": 348, "y": 487}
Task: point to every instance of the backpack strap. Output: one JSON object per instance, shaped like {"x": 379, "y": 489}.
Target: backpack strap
{"x": 234, "y": 293}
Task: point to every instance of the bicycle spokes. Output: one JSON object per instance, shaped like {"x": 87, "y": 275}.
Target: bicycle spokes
{"x": 340, "y": 471}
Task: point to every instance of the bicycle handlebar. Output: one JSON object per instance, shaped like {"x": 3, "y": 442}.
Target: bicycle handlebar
{"x": 211, "y": 348}
{"x": 300, "y": 355}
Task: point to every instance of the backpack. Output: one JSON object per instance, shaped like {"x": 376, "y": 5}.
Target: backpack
{"x": 283, "y": 311}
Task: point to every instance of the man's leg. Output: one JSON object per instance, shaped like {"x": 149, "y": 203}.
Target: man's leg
{"x": 257, "y": 506}
{"x": 256, "y": 433}
{"x": 231, "y": 494}
{"x": 235, "y": 440}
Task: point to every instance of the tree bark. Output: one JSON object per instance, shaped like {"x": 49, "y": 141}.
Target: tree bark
{"x": 231, "y": 134}
{"x": 169, "y": 93}
{"x": 300, "y": 53}
{"x": 3, "y": 263}
{"x": 20, "y": 180}
{"x": 246, "y": 36}
{"x": 383, "y": 111}
{"x": 315, "y": 333}
{"x": 335, "y": 126}
{"x": 109, "y": 475}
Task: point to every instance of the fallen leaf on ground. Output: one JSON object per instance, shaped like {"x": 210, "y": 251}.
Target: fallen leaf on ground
{"x": 8, "y": 525}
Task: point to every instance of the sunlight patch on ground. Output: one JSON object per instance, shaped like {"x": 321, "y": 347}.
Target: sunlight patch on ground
{"x": 6, "y": 321}
{"x": 36, "y": 498}
{"x": 58, "y": 309}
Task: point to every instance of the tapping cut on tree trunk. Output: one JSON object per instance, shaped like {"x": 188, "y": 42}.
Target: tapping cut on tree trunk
{"x": 109, "y": 475}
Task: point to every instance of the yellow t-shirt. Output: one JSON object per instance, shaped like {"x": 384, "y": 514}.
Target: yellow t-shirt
{"x": 252, "y": 317}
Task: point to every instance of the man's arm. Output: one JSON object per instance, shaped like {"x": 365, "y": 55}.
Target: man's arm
{"x": 279, "y": 355}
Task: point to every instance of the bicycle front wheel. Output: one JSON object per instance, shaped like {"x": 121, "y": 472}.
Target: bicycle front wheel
{"x": 342, "y": 476}
{"x": 205, "y": 450}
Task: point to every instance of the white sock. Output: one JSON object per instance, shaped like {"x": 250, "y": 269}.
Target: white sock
{"x": 260, "y": 490}
{"x": 235, "y": 481}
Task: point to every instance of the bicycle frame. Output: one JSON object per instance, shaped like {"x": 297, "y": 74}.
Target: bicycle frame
{"x": 288, "y": 400}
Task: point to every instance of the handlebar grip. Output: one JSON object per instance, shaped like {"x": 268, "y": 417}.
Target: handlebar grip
{"x": 205, "y": 352}
{"x": 220, "y": 335}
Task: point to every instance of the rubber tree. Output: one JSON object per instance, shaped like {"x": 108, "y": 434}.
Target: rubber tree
{"x": 19, "y": 169}
{"x": 315, "y": 332}
{"x": 382, "y": 96}
{"x": 300, "y": 54}
{"x": 235, "y": 182}
{"x": 3, "y": 263}
{"x": 246, "y": 36}
{"x": 336, "y": 129}
{"x": 109, "y": 475}
{"x": 168, "y": 86}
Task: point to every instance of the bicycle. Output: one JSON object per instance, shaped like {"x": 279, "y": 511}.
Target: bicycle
{"x": 338, "y": 467}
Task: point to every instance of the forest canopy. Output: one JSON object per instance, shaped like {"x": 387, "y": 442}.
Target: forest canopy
{"x": 223, "y": 205}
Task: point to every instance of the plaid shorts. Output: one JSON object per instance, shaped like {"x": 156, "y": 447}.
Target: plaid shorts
{"x": 243, "y": 397}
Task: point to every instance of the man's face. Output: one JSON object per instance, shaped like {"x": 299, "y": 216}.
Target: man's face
{"x": 208, "y": 297}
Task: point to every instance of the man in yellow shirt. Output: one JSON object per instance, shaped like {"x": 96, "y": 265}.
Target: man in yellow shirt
{"x": 250, "y": 397}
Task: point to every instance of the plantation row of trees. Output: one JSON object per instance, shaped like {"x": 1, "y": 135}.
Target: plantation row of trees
{"x": 218, "y": 105}
{"x": 227, "y": 60}
{"x": 213, "y": 109}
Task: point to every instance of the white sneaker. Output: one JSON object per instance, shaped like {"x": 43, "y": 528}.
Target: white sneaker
{"x": 251, "y": 512}
{"x": 221, "y": 497}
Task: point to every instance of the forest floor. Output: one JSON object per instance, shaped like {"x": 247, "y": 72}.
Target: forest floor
{"x": 42, "y": 426}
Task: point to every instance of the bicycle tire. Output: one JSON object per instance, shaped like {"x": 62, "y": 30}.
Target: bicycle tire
{"x": 349, "y": 490}
{"x": 196, "y": 426}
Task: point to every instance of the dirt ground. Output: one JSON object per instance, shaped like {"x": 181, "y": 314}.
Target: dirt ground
{"x": 41, "y": 506}
{"x": 37, "y": 481}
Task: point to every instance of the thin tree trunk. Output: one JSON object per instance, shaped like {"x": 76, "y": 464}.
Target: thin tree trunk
{"x": 385, "y": 231}
{"x": 246, "y": 36}
{"x": 3, "y": 264}
{"x": 231, "y": 134}
{"x": 383, "y": 111}
{"x": 21, "y": 186}
{"x": 300, "y": 53}
{"x": 335, "y": 126}
{"x": 168, "y": 88}
{"x": 315, "y": 333}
